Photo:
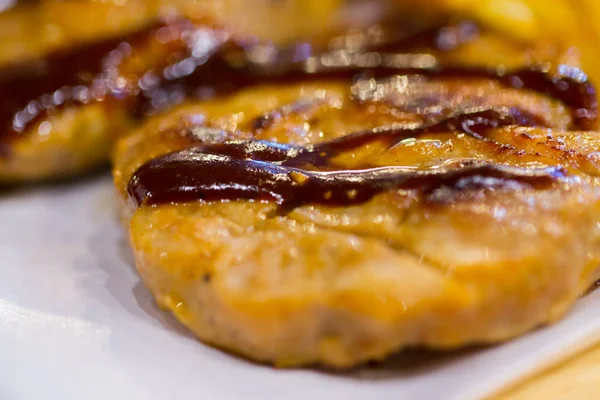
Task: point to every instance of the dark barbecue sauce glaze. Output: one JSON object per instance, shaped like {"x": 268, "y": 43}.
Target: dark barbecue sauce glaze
{"x": 32, "y": 90}
{"x": 40, "y": 87}
{"x": 190, "y": 59}
{"x": 187, "y": 60}
{"x": 292, "y": 176}
{"x": 218, "y": 75}
{"x": 193, "y": 60}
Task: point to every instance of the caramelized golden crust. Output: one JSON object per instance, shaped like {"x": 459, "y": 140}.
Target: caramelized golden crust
{"x": 343, "y": 285}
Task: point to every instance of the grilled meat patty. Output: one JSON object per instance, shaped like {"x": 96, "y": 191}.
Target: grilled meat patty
{"x": 366, "y": 200}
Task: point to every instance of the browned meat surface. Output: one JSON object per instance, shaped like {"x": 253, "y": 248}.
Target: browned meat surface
{"x": 338, "y": 220}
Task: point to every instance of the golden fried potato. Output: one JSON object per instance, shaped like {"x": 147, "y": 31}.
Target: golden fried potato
{"x": 574, "y": 24}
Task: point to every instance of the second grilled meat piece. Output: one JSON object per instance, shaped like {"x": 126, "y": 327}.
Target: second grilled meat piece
{"x": 66, "y": 95}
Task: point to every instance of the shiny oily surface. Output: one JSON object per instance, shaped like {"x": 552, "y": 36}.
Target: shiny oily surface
{"x": 233, "y": 178}
{"x": 110, "y": 70}
{"x": 293, "y": 176}
{"x": 50, "y": 129}
{"x": 146, "y": 68}
{"x": 116, "y": 70}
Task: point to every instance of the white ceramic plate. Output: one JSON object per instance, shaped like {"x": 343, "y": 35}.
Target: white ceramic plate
{"x": 76, "y": 323}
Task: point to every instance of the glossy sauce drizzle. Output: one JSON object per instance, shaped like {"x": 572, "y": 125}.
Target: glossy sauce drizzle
{"x": 292, "y": 176}
{"x": 193, "y": 60}
{"x": 30, "y": 91}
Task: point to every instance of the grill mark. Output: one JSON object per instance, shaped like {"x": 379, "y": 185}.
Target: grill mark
{"x": 267, "y": 120}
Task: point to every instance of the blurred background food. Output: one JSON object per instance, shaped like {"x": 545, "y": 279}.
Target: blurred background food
{"x": 75, "y": 139}
{"x": 56, "y": 22}
{"x": 515, "y": 32}
{"x": 573, "y": 23}
{"x": 38, "y": 27}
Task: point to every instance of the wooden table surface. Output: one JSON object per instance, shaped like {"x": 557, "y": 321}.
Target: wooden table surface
{"x": 576, "y": 378}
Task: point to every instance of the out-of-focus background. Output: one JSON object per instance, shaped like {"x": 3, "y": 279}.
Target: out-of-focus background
{"x": 572, "y": 22}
